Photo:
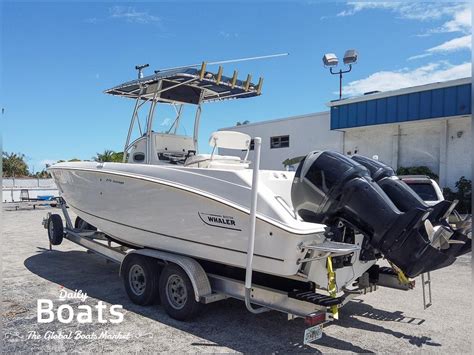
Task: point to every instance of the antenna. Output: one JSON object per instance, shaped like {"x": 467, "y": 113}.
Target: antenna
{"x": 227, "y": 61}
{"x": 140, "y": 69}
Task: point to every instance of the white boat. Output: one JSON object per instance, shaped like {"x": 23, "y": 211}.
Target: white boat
{"x": 335, "y": 210}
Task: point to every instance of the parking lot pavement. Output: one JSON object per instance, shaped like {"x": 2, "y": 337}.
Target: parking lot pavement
{"x": 383, "y": 321}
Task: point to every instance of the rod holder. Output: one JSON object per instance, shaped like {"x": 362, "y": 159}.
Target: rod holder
{"x": 247, "y": 82}
{"x": 219, "y": 75}
{"x": 259, "y": 86}
{"x": 202, "y": 71}
{"x": 234, "y": 79}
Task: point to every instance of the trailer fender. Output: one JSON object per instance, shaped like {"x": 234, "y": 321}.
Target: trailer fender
{"x": 193, "y": 269}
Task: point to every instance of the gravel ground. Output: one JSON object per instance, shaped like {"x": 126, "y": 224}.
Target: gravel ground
{"x": 383, "y": 321}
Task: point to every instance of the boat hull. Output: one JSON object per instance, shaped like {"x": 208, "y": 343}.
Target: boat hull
{"x": 148, "y": 212}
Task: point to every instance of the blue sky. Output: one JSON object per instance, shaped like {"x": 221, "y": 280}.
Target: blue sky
{"x": 59, "y": 57}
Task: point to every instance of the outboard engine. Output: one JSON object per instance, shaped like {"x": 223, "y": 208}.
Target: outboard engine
{"x": 398, "y": 191}
{"x": 453, "y": 241}
{"x": 330, "y": 188}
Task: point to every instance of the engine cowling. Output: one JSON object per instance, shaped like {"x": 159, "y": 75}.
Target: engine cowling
{"x": 329, "y": 187}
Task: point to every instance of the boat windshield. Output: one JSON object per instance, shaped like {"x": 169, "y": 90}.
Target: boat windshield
{"x": 174, "y": 119}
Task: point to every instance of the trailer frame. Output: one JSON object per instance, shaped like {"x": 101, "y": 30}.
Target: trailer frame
{"x": 208, "y": 287}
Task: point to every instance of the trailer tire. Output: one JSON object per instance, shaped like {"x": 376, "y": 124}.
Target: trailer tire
{"x": 55, "y": 229}
{"x": 79, "y": 223}
{"x": 177, "y": 293}
{"x": 141, "y": 279}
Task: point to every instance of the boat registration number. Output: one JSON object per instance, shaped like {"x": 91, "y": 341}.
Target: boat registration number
{"x": 313, "y": 333}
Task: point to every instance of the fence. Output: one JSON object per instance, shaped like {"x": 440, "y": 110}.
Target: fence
{"x": 11, "y": 188}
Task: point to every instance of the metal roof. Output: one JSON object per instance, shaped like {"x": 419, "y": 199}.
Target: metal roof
{"x": 185, "y": 85}
{"x": 451, "y": 98}
{"x": 411, "y": 89}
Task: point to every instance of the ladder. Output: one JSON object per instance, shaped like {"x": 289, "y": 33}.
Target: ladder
{"x": 426, "y": 282}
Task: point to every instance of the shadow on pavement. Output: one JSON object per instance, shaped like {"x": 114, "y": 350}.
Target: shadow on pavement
{"x": 225, "y": 323}
{"x": 355, "y": 310}
{"x": 367, "y": 311}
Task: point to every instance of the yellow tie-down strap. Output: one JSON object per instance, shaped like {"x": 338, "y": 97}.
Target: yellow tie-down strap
{"x": 400, "y": 274}
{"x": 332, "y": 288}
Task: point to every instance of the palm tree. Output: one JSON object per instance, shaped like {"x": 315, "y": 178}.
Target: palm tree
{"x": 42, "y": 175}
{"x": 105, "y": 156}
{"x": 117, "y": 157}
{"x": 14, "y": 165}
{"x": 109, "y": 156}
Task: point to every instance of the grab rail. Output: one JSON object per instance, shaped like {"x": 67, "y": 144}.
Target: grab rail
{"x": 327, "y": 249}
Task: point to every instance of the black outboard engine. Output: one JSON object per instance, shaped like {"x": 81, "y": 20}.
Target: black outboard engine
{"x": 330, "y": 187}
{"x": 405, "y": 198}
{"x": 399, "y": 192}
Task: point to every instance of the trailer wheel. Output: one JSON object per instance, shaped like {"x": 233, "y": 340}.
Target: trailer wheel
{"x": 177, "y": 293}
{"x": 79, "y": 223}
{"x": 141, "y": 279}
{"x": 55, "y": 229}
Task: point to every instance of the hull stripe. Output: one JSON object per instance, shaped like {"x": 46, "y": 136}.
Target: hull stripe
{"x": 174, "y": 237}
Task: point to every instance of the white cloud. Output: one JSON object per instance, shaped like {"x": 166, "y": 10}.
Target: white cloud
{"x": 92, "y": 20}
{"x": 228, "y": 34}
{"x": 459, "y": 14}
{"x": 419, "y": 56}
{"x": 408, "y": 10}
{"x": 461, "y": 22}
{"x": 454, "y": 44}
{"x": 457, "y": 18}
{"x": 130, "y": 14}
{"x": 392, "y": 80}
{"x": 355, "y": 7}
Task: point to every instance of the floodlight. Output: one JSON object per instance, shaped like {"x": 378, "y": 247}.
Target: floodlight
{"x": 330, "y": 60}
{"x": 350, "y": 57}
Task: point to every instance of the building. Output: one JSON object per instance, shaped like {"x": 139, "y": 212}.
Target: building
{"x": 428, "y": 125}
{"x": 290, "y": 137}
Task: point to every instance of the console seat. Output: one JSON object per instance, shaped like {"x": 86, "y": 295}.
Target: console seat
{"x": 218, "y": 162}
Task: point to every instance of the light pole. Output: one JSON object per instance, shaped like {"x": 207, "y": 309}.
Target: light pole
{"x": 330, "y": 60}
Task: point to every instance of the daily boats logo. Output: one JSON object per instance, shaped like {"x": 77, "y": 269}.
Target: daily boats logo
{"x": 85, "y": 314}
{"x": 81, "y": 314}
